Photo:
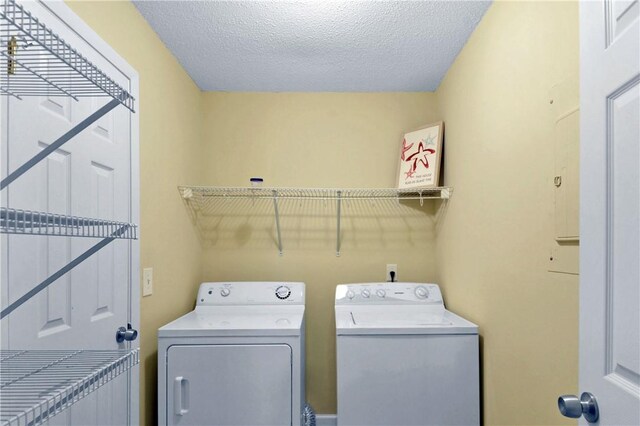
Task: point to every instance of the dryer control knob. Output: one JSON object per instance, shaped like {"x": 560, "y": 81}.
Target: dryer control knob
{"x": 351, "y": 294}
{"x": 365, "y": 293}
{"x": 381, "y": 293}
{"x": 283, "y": 292}
{"x": 224, "y": 292}
{"x": 421, "y": 292}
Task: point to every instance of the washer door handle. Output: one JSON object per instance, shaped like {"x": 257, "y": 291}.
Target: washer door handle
{"x": 181, "y": 396}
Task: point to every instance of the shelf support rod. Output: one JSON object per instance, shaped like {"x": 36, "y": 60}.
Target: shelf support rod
{"x": 58, "y": 143}
{"x": 339, "y": 203}
{"x": 69, "y": 266}
{"x": 275, "y": 207}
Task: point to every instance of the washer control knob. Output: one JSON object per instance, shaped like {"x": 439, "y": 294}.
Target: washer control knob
{"x": 381, "y": 293}
{"x": 283, "y": 292}
{"x": 351, "y": 294}
{"x": 421, "y": 292}
{"x": 224, "y": 292}
{"x": 365, "y": 293}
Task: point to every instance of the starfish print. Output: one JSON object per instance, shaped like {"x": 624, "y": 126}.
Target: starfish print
{"x": 409, "y": 174}
{"x": 415, "y": 157}
{"x": 430, "y": 140}
{"x": 405, "y": 148}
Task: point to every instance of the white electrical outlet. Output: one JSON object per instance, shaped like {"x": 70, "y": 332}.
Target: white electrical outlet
{"x": 147, "y": 282}
{"x": 392, "y": 267}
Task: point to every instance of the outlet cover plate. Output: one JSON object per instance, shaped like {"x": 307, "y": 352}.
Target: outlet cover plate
{"x": 392, "y": 267}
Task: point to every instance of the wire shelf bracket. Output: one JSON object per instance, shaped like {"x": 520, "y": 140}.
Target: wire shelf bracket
{"x": 277, "y": 213}
{"x": 339, "y": 204}
{"x": 35, "y": 385}
{"x": 199, "y": 200}
{"x": 62, "y": 271}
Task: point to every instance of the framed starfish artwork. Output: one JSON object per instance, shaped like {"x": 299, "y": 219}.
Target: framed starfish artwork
{"x": 420, "y": 156}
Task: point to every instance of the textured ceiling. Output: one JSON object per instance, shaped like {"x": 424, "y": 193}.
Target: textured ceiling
{"x": 314, "y": 46}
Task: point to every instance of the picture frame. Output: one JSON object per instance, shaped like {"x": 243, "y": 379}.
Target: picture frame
{"x": 419, "y": 157}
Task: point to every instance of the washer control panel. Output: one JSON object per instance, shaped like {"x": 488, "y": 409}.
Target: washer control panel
{"x": 250, "y": 293}
{"x": 388, "y": 293}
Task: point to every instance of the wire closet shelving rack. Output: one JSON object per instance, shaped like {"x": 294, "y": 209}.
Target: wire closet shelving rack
{"x": 37, "y": 385}
{"x": 35, "y": 61}
{"x": 207, "y": 201}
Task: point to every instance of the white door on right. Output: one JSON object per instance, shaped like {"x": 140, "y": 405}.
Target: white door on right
{"x": 610, "y": 211}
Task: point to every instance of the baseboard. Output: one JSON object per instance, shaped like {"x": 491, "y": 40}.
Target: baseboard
{"x": 326, "y": 420}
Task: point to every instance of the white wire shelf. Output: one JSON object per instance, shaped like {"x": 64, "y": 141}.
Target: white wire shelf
{"x": 35, "y": 385}
{"x": 206, "y": 203}
{"x": 27, "y": 222}
{"x": 34, "y": 61}
{"x": 199, "y": 194}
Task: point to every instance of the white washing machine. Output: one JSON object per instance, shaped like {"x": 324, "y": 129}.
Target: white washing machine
{"x": 237, "y": 359}
{"x": 403, "y": 359}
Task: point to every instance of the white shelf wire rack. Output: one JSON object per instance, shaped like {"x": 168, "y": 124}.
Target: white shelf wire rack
{"x": 26, "y": 222}
{"x": 35, "y": 385}
{"x": 207, "y": 202}
{"x": 200, "y": 194}
{"x": 35, "y": 61}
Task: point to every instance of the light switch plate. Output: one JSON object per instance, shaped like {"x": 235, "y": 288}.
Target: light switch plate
{"x": 147, "y": 282}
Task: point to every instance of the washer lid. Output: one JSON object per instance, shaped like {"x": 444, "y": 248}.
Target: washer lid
{"x": 256, "y": 321}
{"x": 355, "y": 320}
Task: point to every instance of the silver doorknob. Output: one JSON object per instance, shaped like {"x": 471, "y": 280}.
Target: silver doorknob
{"x": 571, "y": 406}
{"x": 127, "y": 334}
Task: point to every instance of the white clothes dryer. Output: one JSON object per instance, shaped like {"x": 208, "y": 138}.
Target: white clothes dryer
{"x": 403, "y": 359}
{"x": 237, "y": 359}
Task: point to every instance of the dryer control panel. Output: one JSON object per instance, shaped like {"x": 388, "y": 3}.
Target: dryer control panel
{"x": 250, "y": 293}
{"x": 388, "y": 293}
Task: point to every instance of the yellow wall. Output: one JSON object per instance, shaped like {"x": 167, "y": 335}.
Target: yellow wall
{"x": 493, "y": 248}
{"x": 170, "y": 137}
{"x": 316, "y": 140}
{"x": 492, "y": 244}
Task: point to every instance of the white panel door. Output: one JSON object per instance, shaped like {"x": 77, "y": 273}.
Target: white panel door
{"x": 610, "y": 209}
{"x": 88, "y": 176}
{"x": 92, "y": 176}
{"x": 231, "y": 385}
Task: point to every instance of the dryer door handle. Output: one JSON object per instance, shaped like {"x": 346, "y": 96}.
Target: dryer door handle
{"x": 181, "y": 396}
